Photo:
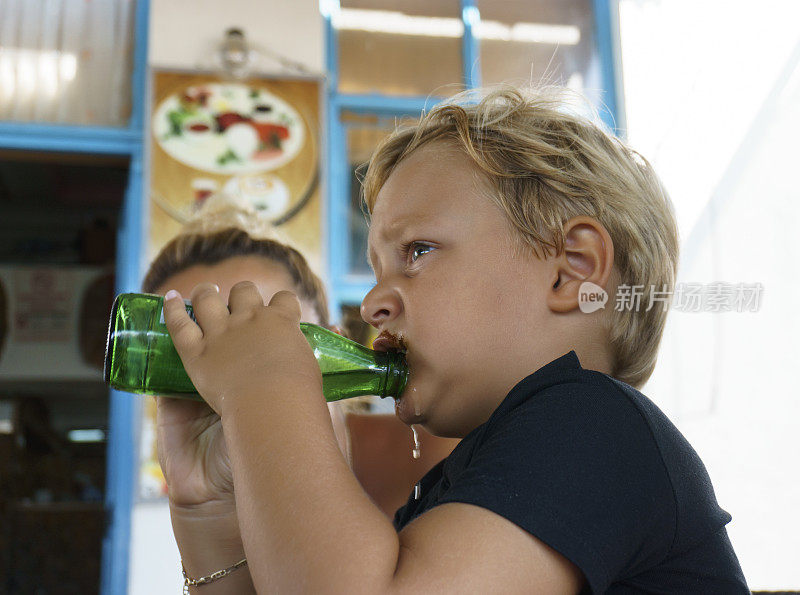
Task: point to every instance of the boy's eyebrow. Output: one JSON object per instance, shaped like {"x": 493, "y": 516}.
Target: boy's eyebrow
{"x": 397, "y": 227}
{"x": 386, "y": 235}
{"x": 391, "y": 232}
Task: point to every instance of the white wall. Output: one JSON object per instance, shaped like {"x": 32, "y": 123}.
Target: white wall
{"x": 183, "y": 34}
{"x": 155, "y": 564}
{"x": 713, "y": 100}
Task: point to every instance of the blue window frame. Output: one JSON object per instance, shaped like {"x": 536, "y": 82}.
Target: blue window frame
{"x": 346, "y": 287}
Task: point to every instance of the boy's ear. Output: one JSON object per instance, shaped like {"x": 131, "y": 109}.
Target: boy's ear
{"x": 588, "y": 256}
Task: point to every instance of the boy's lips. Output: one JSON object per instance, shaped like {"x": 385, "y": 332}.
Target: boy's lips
{"x": 387, "y": 341}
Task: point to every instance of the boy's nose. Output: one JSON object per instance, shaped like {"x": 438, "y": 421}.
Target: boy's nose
{"x": 380, "y": 306}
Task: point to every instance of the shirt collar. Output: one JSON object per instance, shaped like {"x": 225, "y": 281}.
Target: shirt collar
{"x": 566, "y": 368}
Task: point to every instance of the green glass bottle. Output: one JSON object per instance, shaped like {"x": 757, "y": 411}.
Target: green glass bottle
{"x": 141, "y": 358}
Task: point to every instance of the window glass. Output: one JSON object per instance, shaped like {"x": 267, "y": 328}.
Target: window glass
{"x": 364, "y": 132}
{"x": 536, "y": 41}
{"x": 66, "y": 61}
{"x": 412, "y": 50}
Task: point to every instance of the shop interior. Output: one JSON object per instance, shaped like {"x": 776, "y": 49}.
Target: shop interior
{"x": 60, "y": 215}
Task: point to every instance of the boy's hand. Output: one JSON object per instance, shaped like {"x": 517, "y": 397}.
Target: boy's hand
{"x": 243, "y": 351}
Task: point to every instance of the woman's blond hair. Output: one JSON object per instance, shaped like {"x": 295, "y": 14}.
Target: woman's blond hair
{"x": 548, "y": 163}
{"x": 225, "y": 228}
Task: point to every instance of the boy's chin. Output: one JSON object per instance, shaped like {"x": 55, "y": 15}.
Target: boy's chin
{"x": 400, "y": 409}
{"x": 406, "y": 410}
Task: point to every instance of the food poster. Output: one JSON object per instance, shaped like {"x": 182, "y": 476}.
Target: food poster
{"x": 256, "y": 140}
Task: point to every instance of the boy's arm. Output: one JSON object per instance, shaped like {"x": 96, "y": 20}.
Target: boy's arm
{"x": 308, "y": 526}
{"x": 461, "y": 548}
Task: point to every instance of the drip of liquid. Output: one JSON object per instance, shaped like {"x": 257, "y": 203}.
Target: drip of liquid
{"x": 415, "y": 453}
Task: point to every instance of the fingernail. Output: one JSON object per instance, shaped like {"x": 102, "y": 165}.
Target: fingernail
{"x": 216, "y": 287}
{"x": 171, "y": 295}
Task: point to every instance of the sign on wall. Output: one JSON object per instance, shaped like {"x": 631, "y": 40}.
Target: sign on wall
{"x": 256, "y": 140}
{"x": 53, "y": 319}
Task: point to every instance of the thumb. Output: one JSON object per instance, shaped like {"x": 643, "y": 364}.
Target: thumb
{"x": 182, "y": 329}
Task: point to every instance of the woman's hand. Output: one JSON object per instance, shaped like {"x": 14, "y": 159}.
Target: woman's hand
{"x": 245, "y": 353}
{"x": 193, "y": 454}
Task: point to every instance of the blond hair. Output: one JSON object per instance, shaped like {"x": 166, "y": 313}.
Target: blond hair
{"x": 548, "y": 163}
{"x": 225, "y": 228}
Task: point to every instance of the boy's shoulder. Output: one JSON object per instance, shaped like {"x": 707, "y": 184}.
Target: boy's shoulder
{"x": 563, "y": 403}
{"x": 583, "y": 402}
{"x": 563, "y": 395}
{"x": 583, "y": 419}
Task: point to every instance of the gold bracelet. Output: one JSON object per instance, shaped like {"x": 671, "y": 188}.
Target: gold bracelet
{"x": 214, "y": 576}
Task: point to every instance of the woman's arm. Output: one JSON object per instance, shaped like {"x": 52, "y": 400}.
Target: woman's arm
{"x": 209, "y": 540}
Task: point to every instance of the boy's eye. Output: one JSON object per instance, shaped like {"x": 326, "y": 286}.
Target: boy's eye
{"x": 415, "y": 250}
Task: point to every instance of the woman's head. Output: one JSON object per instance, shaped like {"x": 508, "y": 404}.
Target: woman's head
{"x": 226, "y": 244}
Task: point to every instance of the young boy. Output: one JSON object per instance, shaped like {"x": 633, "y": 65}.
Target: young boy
{"x": 487, "y": 220}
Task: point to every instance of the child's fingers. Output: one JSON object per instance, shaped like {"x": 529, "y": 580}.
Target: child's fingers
{"x": 182, "y": 329}
{"x": 210, "y": 309}
{"x": 245, "y": 296}
{"x": 287, "y": 303}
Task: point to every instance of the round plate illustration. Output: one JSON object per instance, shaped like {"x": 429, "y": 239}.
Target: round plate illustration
{"x": 228, "y": 128}
{"x": 266, "y": 192}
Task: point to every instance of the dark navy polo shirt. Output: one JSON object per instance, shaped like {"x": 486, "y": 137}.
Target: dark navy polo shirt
{"x": 591, "y": 467}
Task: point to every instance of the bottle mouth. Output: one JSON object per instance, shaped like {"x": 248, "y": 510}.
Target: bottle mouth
{"x": 109, "y": 341}
{"x": 396, "y": 375}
